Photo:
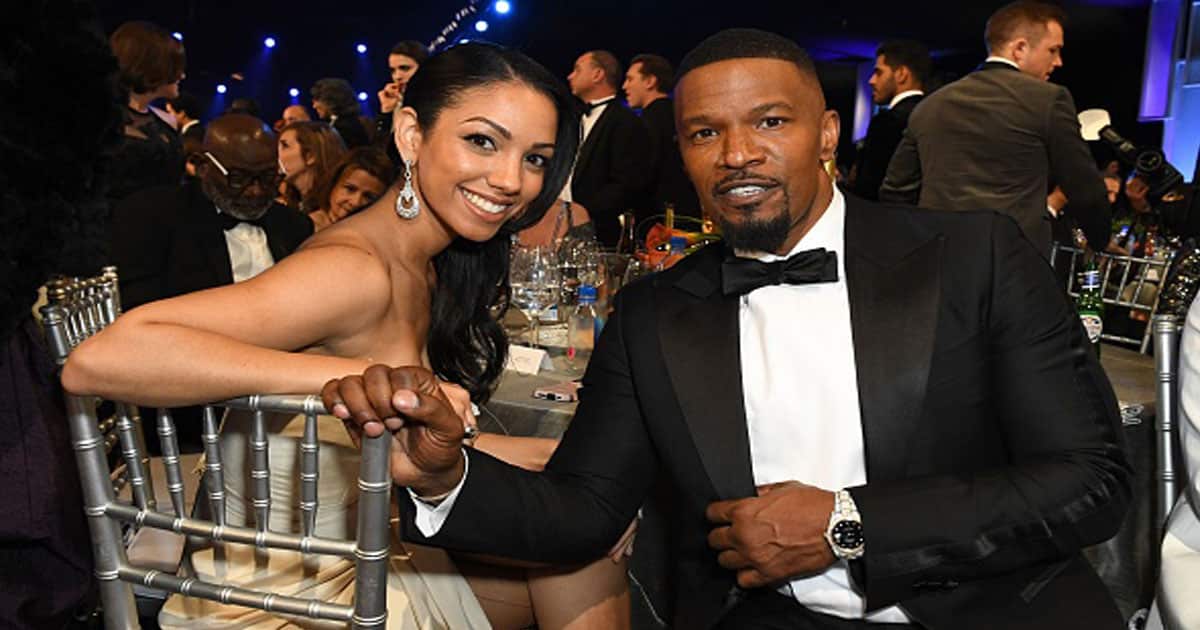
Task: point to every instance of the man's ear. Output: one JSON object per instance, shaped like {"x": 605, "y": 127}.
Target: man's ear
{"x": 831, "y": 130}
{"x": 407, "y": 133}
{"x": 902, "y": 74}
{"x": 1020, "y": 49}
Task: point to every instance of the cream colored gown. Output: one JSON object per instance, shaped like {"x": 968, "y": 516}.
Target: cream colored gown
{"x": 425, "y": 590}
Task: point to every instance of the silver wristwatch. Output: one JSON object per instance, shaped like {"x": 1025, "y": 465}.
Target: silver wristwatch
{"x": 845, "y": 531}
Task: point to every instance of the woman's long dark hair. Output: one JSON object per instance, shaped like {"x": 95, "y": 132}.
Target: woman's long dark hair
{"x": 466, "y": 344}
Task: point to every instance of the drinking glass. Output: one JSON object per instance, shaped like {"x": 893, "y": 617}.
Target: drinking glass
{"x": 534, "y": 278}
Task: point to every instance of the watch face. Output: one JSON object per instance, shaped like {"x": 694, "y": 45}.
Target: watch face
{"x": 847, "y": 534}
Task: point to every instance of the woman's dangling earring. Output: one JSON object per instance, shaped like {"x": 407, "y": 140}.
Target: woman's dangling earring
{"x": 407, "y": 204}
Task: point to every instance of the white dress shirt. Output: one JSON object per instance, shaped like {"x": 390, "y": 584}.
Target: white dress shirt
{"x": 903, "y": 95}
{"x": 586, "y": 123}
{"x": 800, "y": 387}
{"x": 189, "y": 125}
{"x": 249, "y": 254}
{"x": 999, "y": 59}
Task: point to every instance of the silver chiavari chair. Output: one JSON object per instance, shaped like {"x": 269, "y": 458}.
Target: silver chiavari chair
{"x": 79, "y": 308}
{"x": 1167, "y": 331}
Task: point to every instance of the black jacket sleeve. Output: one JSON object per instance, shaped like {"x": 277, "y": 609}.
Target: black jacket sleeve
{"x": 1072, "y": 168}
{"x": 1068, "y": 483}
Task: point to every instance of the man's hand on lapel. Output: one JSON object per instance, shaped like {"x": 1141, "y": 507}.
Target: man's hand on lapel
{"x": 775, "y": 536}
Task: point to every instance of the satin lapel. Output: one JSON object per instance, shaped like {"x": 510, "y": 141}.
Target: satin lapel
{"x": 275, "y": 230}
{"x": 698, "y": 329}
{"x": 211, "y": 237}
{"x": 894, "y": 289}
{"x": 598, "y": 132}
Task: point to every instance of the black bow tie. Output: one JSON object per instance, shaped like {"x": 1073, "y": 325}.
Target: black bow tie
{"x": 228, "y": 222}
{"x": 588, "y": 108}
{"x": 740, "y": 276}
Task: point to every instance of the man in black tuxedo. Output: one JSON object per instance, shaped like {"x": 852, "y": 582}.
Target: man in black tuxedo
{"x": 222, "y": 229}
{"x": 611, "y": 173}
{"x": 900, "y": 423}
{"x": 902, "y": 68}
{"x": 334, "y": 101}
{"x": 219, "y": 228}
{"x": 647, "y": 85}
{"x": 186, "y": 110}
{"x": 1002, "y": 137}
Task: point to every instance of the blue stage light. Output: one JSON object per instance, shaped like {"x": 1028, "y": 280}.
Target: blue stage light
{"x": 293, "y": 92}
{"x": 503, "y": 7}
{"x": 221, "y": 89}
{"x": 177, "y": 35}
{"x": 269, "y": 42}
{"x": 481, "y": 25}
{"x": 362, "y": 96}
{"x": 361, "y": 48}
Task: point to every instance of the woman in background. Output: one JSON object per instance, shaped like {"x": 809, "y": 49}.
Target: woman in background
{"x": 151, "y": 66}
{"x": 362, "y": 176}
{"x": 308, "y": 151}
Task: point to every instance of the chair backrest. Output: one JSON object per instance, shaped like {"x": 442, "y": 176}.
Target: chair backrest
{"x": 1126, "y": 282}
{"x": 79, "y": 308}
{"x": 1167, "y": 332}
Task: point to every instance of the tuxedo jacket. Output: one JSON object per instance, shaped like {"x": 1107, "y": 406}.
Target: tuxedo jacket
{"x": 351, "y": 129}
{"x": 612, "y": 172}
{"x": 1000, "y": 139}
{"x": 991, "y": 434}
{"x": 883, "y": 136}
{"x": 170, "y": 241}
{"x": 670, "y": 183}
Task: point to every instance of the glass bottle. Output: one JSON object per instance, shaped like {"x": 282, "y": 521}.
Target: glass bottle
{"x": 1090, "y": 305}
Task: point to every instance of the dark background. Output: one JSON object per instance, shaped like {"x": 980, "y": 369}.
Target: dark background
{"x": 1105, "y": 41}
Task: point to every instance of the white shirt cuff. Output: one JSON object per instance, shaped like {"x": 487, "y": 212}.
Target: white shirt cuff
{"x": 429, "y": 519}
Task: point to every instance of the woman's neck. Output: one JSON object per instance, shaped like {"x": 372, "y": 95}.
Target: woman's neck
{"x": 424, "y": 236}
{"x": 303, "y": 182}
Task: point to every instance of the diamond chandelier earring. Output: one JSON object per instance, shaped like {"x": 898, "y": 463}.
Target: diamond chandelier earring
{"x": 407, "y": 204}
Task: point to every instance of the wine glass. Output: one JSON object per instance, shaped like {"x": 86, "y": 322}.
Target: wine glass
{"x": 533, "y": 276}
{"x": 577, "y": 266}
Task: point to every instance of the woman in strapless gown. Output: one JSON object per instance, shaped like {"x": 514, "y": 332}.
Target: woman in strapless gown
{"x": 488, "y": 137}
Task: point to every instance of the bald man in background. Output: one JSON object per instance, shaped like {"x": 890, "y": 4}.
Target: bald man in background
{"x": 221, "y": 227}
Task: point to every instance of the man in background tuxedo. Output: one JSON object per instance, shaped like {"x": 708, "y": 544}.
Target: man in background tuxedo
{"x": 611, "y": 173}
{"x": 870, "y": 414}
{"x": 186, "y": 110}
{"x": 224, "y": 229}
{"x": 334, "y": 101}
{"x": 902, "y": 69}
{"x": 647, "y": 84}
{"x": 1002, "y": 137}
{"x": 221, "y": 228}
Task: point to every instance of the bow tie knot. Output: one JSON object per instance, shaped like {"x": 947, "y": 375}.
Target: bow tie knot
{"x": 590, "y": 108}
{"x": 228, "y": 222}
{"x": 740, "y": 276}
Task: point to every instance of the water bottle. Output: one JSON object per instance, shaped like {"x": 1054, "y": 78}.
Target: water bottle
{"x": 582, "y": 330}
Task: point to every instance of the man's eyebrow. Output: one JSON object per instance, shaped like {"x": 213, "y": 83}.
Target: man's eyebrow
{"x": 757, "y": 111}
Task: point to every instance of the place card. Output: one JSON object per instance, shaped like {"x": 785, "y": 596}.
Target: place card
{"x": 526, "y": 360}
